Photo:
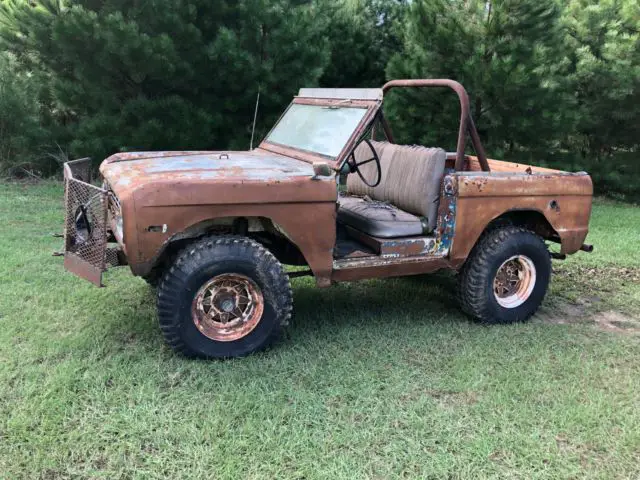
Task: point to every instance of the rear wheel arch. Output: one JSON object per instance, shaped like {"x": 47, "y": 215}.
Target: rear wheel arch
{"x": 528, "y": 218}
{"x": 531, "y": 219}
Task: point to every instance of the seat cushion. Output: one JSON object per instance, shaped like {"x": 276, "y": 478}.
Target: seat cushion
{"x": 411, "y": 177}
{"x": 378, "y": 219}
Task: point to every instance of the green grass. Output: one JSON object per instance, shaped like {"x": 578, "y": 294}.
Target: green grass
{"x": 378, "y": 379}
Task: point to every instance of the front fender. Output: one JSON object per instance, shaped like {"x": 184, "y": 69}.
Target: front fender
{"x": 310, "y": 223}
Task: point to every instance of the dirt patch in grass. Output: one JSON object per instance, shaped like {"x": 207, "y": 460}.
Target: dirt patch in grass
{"x": 605, "y": 296}
{"x": 453, "y": 398}
{"x": 581, "y": 272}
{"x": 445, "y": 398}
{"x": 582, "y": 313}
{"x": 617, "y": 322}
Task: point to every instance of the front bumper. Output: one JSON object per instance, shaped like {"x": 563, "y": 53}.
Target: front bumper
{"x": 87, "y": 253}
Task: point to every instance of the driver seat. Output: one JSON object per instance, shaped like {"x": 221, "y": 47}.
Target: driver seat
{"x": 405, "y": 203}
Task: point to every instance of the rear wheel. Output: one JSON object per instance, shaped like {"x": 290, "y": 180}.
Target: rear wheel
{"x": 506, "y": 276}
{"x": 223, "y": 297}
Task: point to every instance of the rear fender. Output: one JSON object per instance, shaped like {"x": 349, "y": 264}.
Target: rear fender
{"x": 563, "y": 199}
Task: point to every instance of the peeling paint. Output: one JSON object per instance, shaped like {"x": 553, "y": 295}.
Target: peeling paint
{"x": 446, "y": 228}
{"x": 407, "y": 247}
{"x": 131, "y": 170}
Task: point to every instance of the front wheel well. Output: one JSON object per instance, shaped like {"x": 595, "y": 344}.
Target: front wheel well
{"x": 261, "y": 229}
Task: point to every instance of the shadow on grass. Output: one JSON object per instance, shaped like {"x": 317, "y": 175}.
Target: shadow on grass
{"x": 371, "y": 306}
{"x": 346, "y": 317}
{"x": 371, "y": 310}
{"x": 415, "y": 299}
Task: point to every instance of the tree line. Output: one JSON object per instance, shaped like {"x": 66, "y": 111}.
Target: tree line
{"x": 552, "y": 82}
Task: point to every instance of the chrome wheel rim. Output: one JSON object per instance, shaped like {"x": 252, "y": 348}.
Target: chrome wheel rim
{"x": 514, "y": 281}
{"x": 227, "y": 307}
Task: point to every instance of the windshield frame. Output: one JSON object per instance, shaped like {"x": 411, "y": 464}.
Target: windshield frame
{"x": 371, "y": 107}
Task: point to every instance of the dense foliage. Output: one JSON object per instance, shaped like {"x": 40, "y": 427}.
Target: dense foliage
{"x": 165, "y": 74}
{"x": 363, "y": 36}
{"x": 604, "y": 49}
{"x": 508, "y": 55}
{"x": 553, "y": 82}
{"x": 21, "y": 132}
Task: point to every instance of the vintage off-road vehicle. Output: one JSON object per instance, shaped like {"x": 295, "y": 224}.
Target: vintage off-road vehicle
{"x": 212, "y": 230}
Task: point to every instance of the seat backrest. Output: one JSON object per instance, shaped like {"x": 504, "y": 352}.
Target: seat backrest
{"x": 411, "y": 177}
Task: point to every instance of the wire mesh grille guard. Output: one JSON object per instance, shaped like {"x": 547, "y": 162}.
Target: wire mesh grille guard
{"x": 85, "y": 233}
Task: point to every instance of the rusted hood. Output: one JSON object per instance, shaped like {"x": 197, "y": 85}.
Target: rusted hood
{"x": 168, "y": 173}
{"x": 125, "y": 170}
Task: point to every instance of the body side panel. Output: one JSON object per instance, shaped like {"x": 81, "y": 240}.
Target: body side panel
{"x": 305, "y": 210}
{"x": 563, "y": 199}
{"x": 366, "y": 268}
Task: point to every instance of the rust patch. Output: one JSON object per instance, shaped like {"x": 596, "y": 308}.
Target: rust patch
{"x": 479, "y": 183}
{"x": 228, "y": 307}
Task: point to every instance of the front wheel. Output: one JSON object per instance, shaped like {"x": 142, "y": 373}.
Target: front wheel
{"x": 506, "y": 276}
{"x": 223, "y": 297}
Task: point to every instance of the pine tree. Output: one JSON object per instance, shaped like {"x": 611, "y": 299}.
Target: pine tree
{"x": 507, "y": 53}
{"x": 604, "y": 40}
{"x": 362, "y": 35}
{"x": 21, "y": 131}
{"x": 163, "y": 74}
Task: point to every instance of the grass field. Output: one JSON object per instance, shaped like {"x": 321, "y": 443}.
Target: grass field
{"x": 379, "y": 379}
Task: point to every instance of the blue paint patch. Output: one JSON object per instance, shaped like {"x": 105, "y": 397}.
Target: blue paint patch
{"x": 237, "y": 164}
{"x": 448, "y": 228}
{"x": 446, "y": 219}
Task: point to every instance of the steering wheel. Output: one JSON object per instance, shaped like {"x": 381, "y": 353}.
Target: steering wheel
{"x": 354, "y": 166}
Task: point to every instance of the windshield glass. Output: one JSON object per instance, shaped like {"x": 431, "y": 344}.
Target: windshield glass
{"x": 317, "y": 129}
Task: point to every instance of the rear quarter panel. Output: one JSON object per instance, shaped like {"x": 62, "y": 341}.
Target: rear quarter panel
{"x": 484, "y": 196}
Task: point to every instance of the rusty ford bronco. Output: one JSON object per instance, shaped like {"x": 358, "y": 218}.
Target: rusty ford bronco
{"x": 329, "y": 190}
